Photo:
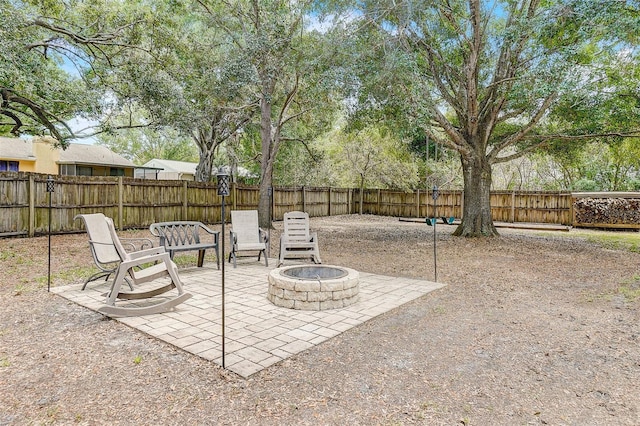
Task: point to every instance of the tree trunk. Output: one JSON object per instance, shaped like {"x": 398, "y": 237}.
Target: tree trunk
{"x": 207, "y": 149}
{"x": 264, "y": 203}
{"x": 266, "y": 167}
{"x": 476, "y": 215}
{"x": 361, "y": 194}
{"x": 204, "y": 167}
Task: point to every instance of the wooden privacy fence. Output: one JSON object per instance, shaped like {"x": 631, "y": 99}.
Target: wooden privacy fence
{"x": 136, "y": 203}
{"x": 506, "y": 206}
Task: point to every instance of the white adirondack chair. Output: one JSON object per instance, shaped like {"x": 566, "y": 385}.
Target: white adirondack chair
{"x": 296, "y": 241}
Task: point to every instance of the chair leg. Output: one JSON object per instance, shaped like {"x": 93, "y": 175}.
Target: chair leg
{"x": 94, "y": 277}
{"x": 281, "y": 255}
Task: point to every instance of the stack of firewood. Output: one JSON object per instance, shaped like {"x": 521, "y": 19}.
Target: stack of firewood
{"x": 607, "y": 210}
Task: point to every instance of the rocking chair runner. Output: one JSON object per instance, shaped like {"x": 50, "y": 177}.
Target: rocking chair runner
{"x": 296, "y": 241}
{"x": 161, "y": 266}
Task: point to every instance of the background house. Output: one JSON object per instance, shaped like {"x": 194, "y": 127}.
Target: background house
{"x": 183, "y": 170}
{"x": 167, "y": 170}
{"x": 41, "y": 156}
{"x": 16, "y": 155}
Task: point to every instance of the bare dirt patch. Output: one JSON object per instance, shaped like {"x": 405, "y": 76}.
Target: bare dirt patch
{"x": 532, "y": 329}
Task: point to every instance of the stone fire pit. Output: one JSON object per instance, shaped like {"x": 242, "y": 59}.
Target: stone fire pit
{"x": 313, "y": 287}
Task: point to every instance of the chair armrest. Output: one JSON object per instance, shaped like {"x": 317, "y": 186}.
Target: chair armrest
{"x": 136, "y": 244}
{"x": 264, "y": 236}
{"x": 233, "y": 237}
{"x": 147, "y": 252}
{"x": 151, "y": 258}
{"x": 155, "y": 231}
{"x": 209, "y": 230}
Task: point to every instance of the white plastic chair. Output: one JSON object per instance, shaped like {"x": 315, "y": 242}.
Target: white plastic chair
{"x": 246, "y": 235}
{"x": 296, "y": 241}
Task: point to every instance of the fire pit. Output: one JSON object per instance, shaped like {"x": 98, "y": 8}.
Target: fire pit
{"x": 313, "y": 287}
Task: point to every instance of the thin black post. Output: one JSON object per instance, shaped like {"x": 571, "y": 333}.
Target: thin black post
{"x": 435, "y": 195}
{"x": 223, "y": 191}
{"x": 50, "y": 189}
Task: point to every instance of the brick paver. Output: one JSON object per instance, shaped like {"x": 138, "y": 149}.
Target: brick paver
{"x": 258, "y": 334}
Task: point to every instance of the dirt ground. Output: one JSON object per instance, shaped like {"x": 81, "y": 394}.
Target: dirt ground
{"x": 532, "y": 328}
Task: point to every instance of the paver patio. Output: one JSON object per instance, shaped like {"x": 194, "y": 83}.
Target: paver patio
{"x": 258, "y": 334}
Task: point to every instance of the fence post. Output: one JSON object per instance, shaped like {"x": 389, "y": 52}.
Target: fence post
{"x": 234, "y": 195}
{"x": 329, "y": 201}
{"x": 32, "y": 205}
{"x": 120, "y": 202}
{"x": 513, "y": 206}
{"x": 304, "y": 199}
{"x": 417, "y": 202}
{"x": 185, "y": 200}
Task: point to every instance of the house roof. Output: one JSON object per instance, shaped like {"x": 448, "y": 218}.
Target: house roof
{"x": 172, "y": 166}
{"x": 185, "y": 167}
{"x": 16, "y": 149}
{"x": 95, "y": 155}
{"x": 92, "y": 154}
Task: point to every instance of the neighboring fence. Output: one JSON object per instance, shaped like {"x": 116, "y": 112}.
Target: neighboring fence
{"x": 506, "y": 206}
{"x": 136, "y": 203}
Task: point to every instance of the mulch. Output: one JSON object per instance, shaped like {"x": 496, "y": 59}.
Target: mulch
{"x": 532, "y": 328}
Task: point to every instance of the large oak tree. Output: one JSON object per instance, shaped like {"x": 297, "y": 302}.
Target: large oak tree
{"x": 484, "y": 78}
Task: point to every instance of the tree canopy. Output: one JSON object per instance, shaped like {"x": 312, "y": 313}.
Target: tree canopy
{"x": 489, "y": 80}
{"x": 49, "y": 50}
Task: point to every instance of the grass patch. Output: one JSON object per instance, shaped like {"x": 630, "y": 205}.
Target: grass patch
{"x": 68, "y": 276}
{"x": 626, "y": 292}
{"x": 621, "y": 241}
{"x": 630, "y": 291}
{"x": 629, "y": 241}
{"x": 188, "y": 260}
{"x": 7, "y": 255}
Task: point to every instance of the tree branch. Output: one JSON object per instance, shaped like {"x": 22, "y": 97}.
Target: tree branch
{"x": 520, "y": 134}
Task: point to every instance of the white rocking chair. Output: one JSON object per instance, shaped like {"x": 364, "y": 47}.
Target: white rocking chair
{"x": 142, "y": 266}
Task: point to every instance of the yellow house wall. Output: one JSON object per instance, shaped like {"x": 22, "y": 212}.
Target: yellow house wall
{"x": 26, "y": 166}
{"x": 46, "y": 156}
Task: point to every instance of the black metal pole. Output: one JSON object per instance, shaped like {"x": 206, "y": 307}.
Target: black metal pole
{"x": 435, "y": 221}
{"x": 223, "y": 191}
{"x": 223, "y": 262}
{"x": 49, "y": 232}
{"x": 50, "y": 189}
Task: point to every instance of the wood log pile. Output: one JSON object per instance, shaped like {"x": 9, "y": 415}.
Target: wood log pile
{"x": 607, "y": 210}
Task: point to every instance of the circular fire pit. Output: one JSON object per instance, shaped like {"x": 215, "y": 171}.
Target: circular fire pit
{"x": 313, "y": 287}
